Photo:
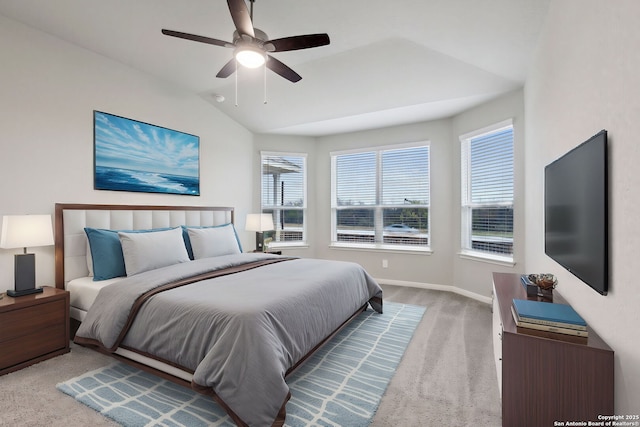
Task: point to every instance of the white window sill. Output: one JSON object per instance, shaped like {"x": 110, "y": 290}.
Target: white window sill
{"x": 488, "y": 258}
{"x": 292, "y": 245}
{"x": 382, "y": 248}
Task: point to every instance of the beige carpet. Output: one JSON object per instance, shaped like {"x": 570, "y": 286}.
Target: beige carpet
{"x": 446, "y": 377}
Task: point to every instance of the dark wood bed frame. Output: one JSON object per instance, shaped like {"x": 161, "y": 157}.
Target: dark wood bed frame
{"x": 60, "y": 283}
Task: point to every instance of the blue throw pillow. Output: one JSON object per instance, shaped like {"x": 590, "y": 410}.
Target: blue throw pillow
{"x": 187, "y": 241}
{"x": 106, "y": 252}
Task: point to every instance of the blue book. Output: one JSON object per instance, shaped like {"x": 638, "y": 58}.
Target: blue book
{"x": 547, "y": 313}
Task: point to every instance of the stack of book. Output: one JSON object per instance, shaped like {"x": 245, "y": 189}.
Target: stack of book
{"x": 549, "y": 320}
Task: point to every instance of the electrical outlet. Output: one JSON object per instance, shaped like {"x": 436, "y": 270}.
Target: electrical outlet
{"x": 385, "y": 263}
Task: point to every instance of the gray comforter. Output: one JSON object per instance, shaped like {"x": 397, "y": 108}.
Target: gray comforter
{"x": 240, "y": 332}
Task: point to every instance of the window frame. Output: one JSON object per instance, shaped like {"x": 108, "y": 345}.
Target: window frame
{"x": 467, "y": 206}
{"x": 378, "y": 207}
{"x": 287, "y": 243}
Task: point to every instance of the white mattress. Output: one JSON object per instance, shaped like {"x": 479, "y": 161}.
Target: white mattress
{"x": 83, "y": 292}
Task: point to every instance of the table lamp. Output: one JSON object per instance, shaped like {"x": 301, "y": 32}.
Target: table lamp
{"x": 259, "y": 223}
{"x": 22, "y": 231}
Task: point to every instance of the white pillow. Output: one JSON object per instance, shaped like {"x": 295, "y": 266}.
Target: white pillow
{"x": 213, "y": 241}
{"x": 88, "y": 256}
{"x": 148, "y": 251}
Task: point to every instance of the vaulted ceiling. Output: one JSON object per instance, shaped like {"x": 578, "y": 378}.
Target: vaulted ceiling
{"x": 390, "y": 62}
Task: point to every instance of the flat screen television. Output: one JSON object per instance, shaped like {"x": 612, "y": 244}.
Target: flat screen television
{"x": 576, "y": 232}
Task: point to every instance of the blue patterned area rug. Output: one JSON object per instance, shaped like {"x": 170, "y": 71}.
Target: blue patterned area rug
{"x": 341, "y": 385}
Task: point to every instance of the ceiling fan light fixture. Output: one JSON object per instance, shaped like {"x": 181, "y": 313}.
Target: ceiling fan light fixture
{"x": 252, "y": 46}
{"x": 250, "y": 57}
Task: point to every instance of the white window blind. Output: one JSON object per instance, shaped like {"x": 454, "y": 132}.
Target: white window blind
{"x": 487, "y": 190}
{"x": 284, "y": 194}
{"x": 381, "y": 197}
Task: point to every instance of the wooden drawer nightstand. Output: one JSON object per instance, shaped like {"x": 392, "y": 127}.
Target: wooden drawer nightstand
{"x": 547, "y": 380}
{"x": 33, "y": 328}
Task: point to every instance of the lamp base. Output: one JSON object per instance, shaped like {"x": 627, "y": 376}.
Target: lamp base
{"x": 24, "y": 272}
{"x": 12, "y": 293}
{"x": 259, "y": 241}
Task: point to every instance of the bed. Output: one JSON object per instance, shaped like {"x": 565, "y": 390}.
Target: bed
{"x": 183, "y": 301}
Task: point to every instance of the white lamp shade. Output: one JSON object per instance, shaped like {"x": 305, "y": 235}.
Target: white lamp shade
{"x": 250, "y": 57}
{"x": 259, "y": 222}
{"x": 26, "y": 231}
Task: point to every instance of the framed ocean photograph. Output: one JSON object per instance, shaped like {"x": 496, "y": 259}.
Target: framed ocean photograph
{"x": 134, "y": 156}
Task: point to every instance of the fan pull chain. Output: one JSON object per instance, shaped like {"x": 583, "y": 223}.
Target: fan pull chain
{"x": 236, "y": 82}
{"x": 265, "y": 81}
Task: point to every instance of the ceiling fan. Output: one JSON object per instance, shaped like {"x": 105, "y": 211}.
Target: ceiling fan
{"x": 252, "y": 46}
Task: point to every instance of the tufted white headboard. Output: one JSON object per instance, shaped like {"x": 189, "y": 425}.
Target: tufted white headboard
{"x": 71, "y": 219}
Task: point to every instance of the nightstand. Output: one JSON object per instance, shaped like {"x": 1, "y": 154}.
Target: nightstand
{"x": 33, "y": 328}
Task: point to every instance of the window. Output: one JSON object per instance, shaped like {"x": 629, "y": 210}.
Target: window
{"x": 487, "y": 191}
{"x": 380, "y": 197}
{"x": 284, "y": 195}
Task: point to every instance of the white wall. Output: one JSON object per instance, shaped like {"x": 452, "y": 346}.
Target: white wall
{"x": 49, "y": 90}
{"x": 583, "y": 79}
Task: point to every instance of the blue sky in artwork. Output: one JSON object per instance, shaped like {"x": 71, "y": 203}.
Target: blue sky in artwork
{"x": 129, "y": 144}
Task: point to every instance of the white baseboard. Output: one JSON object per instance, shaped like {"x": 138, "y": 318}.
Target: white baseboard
{"x": 448, "y": 288}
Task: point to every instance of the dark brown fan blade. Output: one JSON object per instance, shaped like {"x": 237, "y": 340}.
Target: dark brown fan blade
{"x": 227, "y": 70}
{"x": 241, "y": 17}
{"x": 279, "y": 68}
{"x": 299, "y": 42}
{"x": 196, "y": 38}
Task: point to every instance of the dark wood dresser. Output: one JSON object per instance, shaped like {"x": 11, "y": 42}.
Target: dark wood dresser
{"x": 545, "y": 380}
{"x": 33, "y": 328}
